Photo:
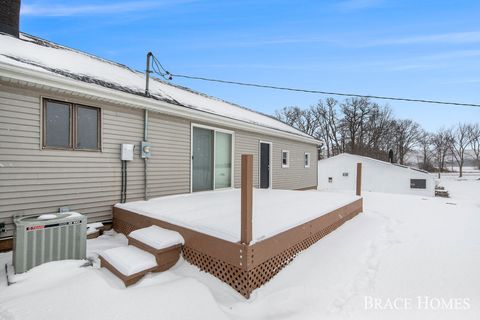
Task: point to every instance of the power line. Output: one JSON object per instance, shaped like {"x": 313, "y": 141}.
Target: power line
{"x": 169, "y": 76}
{"x": 327, "y": 92}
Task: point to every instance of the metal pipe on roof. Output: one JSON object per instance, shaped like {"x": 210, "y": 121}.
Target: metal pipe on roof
{"x": 147, "y": 74}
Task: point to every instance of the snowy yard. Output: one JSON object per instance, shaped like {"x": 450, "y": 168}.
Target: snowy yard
{"x": 414, "y": 253}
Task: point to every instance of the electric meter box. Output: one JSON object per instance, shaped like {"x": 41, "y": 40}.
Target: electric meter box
{"x": 127, "y": 152}
{"x": 146, "y": 149}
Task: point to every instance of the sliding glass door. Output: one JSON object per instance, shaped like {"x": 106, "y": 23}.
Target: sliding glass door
{"x": 211, "y": 159}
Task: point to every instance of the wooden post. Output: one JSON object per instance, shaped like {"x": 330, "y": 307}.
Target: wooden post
{"x": 247, "y": 198}
{"x": 359, "y": 179}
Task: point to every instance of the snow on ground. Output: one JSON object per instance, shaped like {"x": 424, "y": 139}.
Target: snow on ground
{"x": 69, "y": 290}
{"x": 217, "y": 213}
{"x": 402, "y": 248}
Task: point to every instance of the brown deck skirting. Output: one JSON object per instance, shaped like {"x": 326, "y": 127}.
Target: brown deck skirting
{"x": 6, "y": 245}
{"x": 244, "y": 267}
{"x": 125, "y": 222}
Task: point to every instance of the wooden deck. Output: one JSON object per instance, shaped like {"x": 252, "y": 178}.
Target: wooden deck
{"x": 244, "y": 267}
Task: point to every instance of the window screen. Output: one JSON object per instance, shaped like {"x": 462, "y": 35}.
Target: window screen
{"x": 87, "y": 128}
{"x": 57, "y": 124}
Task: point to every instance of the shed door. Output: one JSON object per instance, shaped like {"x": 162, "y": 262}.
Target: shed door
{"x": 264, "y": 165}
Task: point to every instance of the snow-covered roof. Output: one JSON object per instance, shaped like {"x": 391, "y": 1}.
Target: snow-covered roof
{"x": 380, "y": 162}
{"x": 35, "y": 54}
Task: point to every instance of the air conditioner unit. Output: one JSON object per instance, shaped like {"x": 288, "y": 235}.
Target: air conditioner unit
{"x": 48, "y": 237}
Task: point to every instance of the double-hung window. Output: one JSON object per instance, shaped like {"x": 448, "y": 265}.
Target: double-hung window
{"x": 71, "y": 126}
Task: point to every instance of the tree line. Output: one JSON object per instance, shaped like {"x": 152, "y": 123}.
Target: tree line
{"x": 361, "y": 126}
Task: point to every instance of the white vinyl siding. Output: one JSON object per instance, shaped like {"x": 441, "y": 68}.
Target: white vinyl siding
{"x": 34, "y": 181}
{"x": 169, "y": 164}
{"x": 296, "y": 177}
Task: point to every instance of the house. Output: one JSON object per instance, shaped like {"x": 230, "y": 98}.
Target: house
{"x": 65, "y": 114}
{"x": 339, "y": 173}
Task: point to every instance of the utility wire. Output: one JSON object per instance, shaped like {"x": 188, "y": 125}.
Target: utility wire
{"x": 169, "y": 76}
{"x": 256, "y": 85}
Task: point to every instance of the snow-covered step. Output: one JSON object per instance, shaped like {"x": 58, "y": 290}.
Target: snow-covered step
{"x": 164, "y": 244}
{"x": 128, "y": 263}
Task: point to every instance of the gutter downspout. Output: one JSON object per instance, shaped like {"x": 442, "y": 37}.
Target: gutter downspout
{"x": 145, "y": 125}
{"x": 145, "y": 138}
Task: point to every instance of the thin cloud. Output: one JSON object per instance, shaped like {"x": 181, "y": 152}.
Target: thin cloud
{"x": 443, "y": 60}
{"x": 354, "y": 5}
{"x": 455, "y": 38}
{"x": 442, "y": 38}
{"x": 61, "y": 10}
{"x": 276, "y": 41}
{"x": 255, "y": 66}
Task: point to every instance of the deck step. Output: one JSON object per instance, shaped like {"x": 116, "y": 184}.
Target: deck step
{"x": 128, "y": 263}
{"x": 164, "y": 244}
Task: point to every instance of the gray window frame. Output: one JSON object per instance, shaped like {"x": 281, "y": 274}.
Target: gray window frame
{"x": 73, "y": 126}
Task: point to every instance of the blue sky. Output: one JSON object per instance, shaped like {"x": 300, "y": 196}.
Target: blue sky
{"x": 416, "y": 49}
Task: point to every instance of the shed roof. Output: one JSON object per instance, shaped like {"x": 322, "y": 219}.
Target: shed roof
{"x": 42, "y": 56}
{"x": 359, "y": 158}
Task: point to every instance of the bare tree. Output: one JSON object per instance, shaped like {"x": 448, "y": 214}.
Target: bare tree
{"x": 356, "y": 112}
{"x": 406, "y": 136}
{"x": 425, "y": 143}
{"x": 360, "y": 126}
{"x": 475, "y": 143}
{"x": 442, "y": 144}
{"x": 461, "y": 140}
{"x": 289, "y": 115}
{"x": 326, "y": 114}
{"x": 378, "y": 134}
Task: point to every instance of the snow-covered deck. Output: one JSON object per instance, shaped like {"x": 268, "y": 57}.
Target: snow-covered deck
{"x": 283, "y": 223}
{"x": 217, "y": 213}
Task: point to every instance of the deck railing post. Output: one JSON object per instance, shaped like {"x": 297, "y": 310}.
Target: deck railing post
{"x": 359, "y": 179}
{"x": 247, "y": 198}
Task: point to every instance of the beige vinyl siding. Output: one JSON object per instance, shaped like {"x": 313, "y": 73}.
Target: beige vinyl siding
{"x": 296, "y": 176}
{"x": 34, "y": 181}
{"x": 169, "y": 165}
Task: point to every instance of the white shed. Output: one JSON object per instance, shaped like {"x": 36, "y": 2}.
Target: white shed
{"x": 339, "y": 173}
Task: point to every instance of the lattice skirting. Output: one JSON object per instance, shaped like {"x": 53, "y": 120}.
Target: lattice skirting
{"x": 242, "y": 280}
{"x": 245, "y": 281}
{"x": 125, "y": 227}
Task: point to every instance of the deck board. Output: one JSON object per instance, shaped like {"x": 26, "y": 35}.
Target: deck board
{"x": 247, "y": 267}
